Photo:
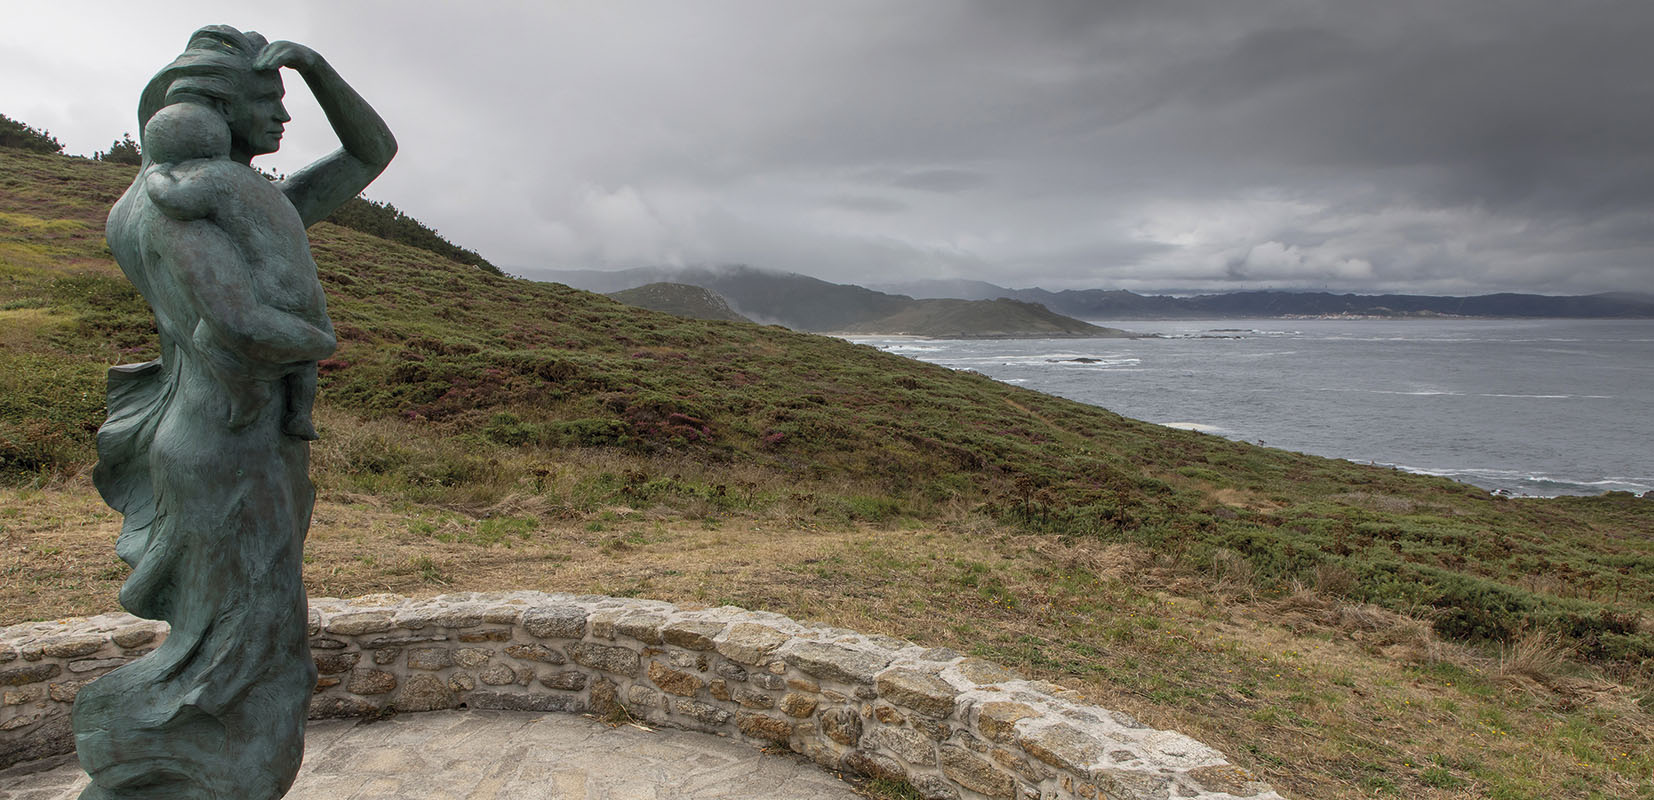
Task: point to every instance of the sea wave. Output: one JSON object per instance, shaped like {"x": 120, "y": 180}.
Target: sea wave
{"x": 1394, "y": 400}
{"x": 1553, "y": 396}
{"x": 1454, "y": 393}
{"x": 1224, "y": 333}
{"x": 1065, "y": 360}
{"x": 1531, "y": 484}
{"x": 1094, "y": 363}
{"x": 1417, "y": 393}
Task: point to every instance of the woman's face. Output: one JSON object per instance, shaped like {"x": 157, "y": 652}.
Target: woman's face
{"x": 257, "y": 119}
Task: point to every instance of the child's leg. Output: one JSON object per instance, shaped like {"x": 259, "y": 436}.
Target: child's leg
{"x": 300, "y": 388}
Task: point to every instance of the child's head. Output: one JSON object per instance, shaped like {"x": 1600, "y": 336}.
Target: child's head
{"x": 185, "y": 131}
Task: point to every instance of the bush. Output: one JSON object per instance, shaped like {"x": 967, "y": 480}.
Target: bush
{"x": 122, "y": 151}
{"x": 35, "y": 449}
{"x": 586, "y": 432}
{"x": 16, "y": 135}
{"x": 387, "y": 222}
{"x": 510, "y": 431}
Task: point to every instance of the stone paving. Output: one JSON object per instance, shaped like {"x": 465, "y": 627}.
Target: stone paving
{"x": 507, "y": 755}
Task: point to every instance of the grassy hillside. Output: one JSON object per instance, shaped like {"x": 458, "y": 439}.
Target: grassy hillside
{"x": 1348, "y": 631}
{"x": 973, "y": 319}
{"x": 679, "y": 300}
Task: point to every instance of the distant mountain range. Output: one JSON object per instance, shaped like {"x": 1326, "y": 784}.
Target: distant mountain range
{"x": 808, "y": 304}
{"x": 933, "y": 308}
{"x": 1119, "y": 304}
{"x": 981, "y": 319}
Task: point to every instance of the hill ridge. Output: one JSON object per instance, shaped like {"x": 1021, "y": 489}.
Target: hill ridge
{"x": 678, "y": 299}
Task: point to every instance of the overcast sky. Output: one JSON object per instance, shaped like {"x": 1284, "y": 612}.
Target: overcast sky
{"x": 1437, "y": 146}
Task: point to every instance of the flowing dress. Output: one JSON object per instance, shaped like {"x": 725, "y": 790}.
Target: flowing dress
{"x": 215, "y": 519}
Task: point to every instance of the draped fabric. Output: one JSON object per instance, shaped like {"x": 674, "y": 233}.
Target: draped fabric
{"x": 215, "y": 519}
{"x": 137, "y": 395}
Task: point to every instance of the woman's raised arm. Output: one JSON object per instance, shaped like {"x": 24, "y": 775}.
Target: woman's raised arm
{"x": 320, "y": 188}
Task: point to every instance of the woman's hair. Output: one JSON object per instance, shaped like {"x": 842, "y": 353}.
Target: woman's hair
{"x": 212, "y": 71}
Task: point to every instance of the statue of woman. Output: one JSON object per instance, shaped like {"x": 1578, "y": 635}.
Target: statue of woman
{"x": 206, "y": 449}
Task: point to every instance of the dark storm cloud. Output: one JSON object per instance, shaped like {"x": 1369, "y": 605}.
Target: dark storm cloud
{"x": 1467, "y": 146}
{"x": 1538, "y": 107}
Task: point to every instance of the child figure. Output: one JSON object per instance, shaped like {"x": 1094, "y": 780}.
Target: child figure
{"x": 191, "y": 178}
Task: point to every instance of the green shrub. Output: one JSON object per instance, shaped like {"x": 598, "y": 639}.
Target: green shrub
{"x": 586, "y": 432}
{"x": 121, "y": 151}
{"x": 507, "y": 429}
{"x": 16, "y": 135}
{"x": 387, "y": 222}
{"x": 50, "y": 410}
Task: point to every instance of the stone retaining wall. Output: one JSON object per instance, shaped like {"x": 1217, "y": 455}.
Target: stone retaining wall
{"x": 954, "y": 727}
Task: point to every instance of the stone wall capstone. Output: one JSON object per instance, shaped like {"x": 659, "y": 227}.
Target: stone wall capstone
{"x": 952, "y": 726}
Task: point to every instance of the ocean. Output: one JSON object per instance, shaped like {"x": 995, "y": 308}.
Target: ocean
{"x": 1528, "y": 407}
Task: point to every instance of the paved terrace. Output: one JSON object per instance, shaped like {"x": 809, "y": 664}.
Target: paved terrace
{"x": 509, "y": 755}
{"x": 952, "y": 726}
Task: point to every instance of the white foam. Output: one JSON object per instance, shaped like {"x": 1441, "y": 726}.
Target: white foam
{"x": 1064, "y": 360}
{"x": 1419, "y": 393}
{"x": 1194, "y": 426}
{"x": 1553, "y": 396}
{"x": 1450, "y": 393}
{"x": 1522, "y": 483}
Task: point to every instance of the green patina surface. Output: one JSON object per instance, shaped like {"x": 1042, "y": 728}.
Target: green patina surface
{"x": 206, "y": 449}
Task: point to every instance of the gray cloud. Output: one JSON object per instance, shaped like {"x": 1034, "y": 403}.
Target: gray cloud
{"x": 868, "y": 204}
{"x": 944, "y": 180}
{"x": 1474, "y": 146}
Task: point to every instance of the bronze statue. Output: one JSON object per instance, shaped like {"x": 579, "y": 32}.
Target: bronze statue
{"x": 206, "y": 450}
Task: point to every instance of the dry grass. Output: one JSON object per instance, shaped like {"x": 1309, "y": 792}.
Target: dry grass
{"x": 1334, "y": 580}
{"x": 1242, "y": 498}
{"x": 25, "y": 328}
{"x": 1324, "y": 697}
{"x": 1234, "y": 574}
{"x": 1389, "y": 504}
{"x": 1379, "y": 631}
{"x": 1535, "y": 654}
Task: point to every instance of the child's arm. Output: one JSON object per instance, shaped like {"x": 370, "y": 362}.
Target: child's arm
{"x": 183, "y": 192}
{"x": 219, "y": 285}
